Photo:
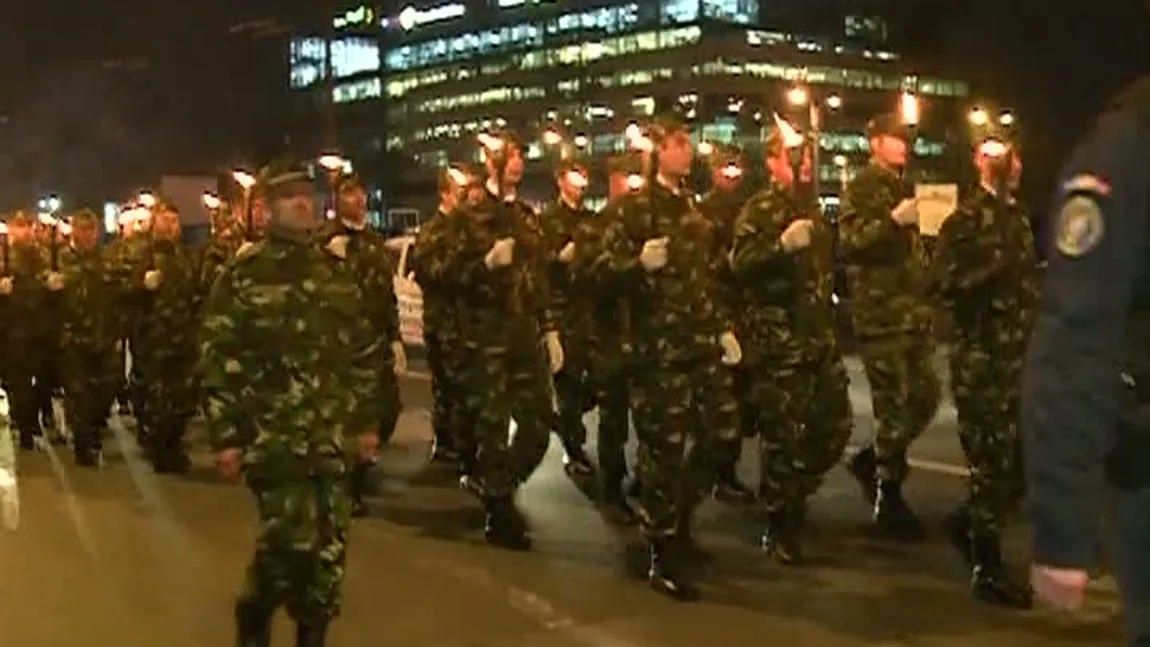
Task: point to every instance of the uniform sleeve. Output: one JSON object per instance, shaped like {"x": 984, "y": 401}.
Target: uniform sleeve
{"x": 223, "y": 366}
{"x": 1072, "y": 375}
{"x": 381, "y": 277}
{"x": 618, "y": 252}
{"x": 963, "y": 260}
{"x": 866, "y": 223}
{"x": 756, "y": 242}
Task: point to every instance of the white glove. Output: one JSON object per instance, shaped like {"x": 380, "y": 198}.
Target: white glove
{"x": 554, "y": 351}
{"x": 6, "y": 285}
{"x": 245, "y": 248}
{"x": 55, "y": 281}
{"x": 732, "y": 351}
{"x": 501, "y": 254}
{"x": 797, "y": 235}
{"x": 654, "y": 254}
{"x": 400, "y": 354}
{"x": 567, "y": 254}
{"x": 906, "y": 213}
{"x": 152, "y": 279}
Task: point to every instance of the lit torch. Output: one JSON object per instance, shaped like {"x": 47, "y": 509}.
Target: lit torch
{"x": 4, "y": 233}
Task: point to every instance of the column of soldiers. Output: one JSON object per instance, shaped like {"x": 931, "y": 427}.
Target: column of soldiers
{"x": 714, "y": 322}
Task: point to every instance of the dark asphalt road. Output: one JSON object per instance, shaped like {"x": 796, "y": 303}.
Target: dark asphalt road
{"x": 124, "y": 558}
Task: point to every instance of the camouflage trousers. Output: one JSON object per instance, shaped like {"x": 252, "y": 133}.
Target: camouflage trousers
{"x": 985, "y": 379}
{"x": 905, "y": 392}
{"x": 301, "y": 546}
{"x": 24, "y": 409}
{"x": 609, "y": 381}
{"x": 686, "y": 420}
{"x": 504, "y": 385}
{"x": 449, "y": 419}
{"x": 90, "y": 380}
{"x": 574, "y": 393}
{"x": 804, "y": 420}
{"x": 171, "y": 395}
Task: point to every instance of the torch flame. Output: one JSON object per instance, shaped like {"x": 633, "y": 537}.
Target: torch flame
{"x": 992, "y": 148}
{"x": 643, "y": 143}
{"x": 732, "y": 171}
{"x": 458, "y": 177}
{"x": 65, "y": 229}
{"x": 635, "y": 181}
{"x": 46, "y": 220}
{"x": 791, "y": 137}
{"x": 490, "y": 142}
{"x": 4, "y": 228}
{"x": 908, "y": 107}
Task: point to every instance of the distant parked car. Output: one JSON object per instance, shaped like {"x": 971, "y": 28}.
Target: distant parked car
{"x": 407, "y": 292}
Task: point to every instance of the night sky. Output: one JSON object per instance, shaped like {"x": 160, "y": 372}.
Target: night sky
{"x": 1053, "y": 62}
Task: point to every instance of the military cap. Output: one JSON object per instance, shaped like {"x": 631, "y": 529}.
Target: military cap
{"x": 890, "y": 125}
{"x": 625, "y": 164}
{"x": 282, "y": 173}
{"x": 348, "y": 180}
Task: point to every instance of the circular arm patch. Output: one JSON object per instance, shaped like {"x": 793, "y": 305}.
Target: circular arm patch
{"x": 1080, "y": 226}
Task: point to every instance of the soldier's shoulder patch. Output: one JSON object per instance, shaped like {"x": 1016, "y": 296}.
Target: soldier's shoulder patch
{"x": 1086, "y": 184}
{"x": 1080, "y": 226}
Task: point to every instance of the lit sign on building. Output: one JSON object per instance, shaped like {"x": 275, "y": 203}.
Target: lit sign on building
{"x": 410, "y": 18}
{"x": 361, "y": 16}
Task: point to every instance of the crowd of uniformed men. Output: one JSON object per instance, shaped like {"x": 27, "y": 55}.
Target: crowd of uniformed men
{"x": 698, "y": 325}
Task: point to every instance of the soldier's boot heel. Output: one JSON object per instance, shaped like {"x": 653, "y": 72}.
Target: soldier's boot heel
{"x": 862, "y": 467}
{"x": 311, "y": 635}
{"x": 504, "y": 527}
{"x": 253, "y": 624}
{"x": 667, "y": 574}
{"x": 958, "y": 531}
{"x": 990, "y": 581}
{"x": 893, "y": 517}
{"x": 781, "y": 540}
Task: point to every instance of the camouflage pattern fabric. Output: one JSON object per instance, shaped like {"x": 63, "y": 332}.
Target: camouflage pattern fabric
{"x": 985, "y": 274}
{"x": 290, "y": 364}
{"x": 28, "y": 269}
{"x": 890, "y": 314}
{"x": 685, "y": 414}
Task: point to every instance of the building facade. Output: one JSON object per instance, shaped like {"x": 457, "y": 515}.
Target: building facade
{"x": 413, "y": 90}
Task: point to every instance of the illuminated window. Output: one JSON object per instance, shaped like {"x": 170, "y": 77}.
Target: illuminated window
{"x": 489, "y": 96}
{"x": 680, "y": 11}
{"x": 740, "y": 11}
{"x": 357, "y": 91}
{"x": 351, "y": 56}
{"x": 307, "y": 61}
{"x": 643, "y": 106}
{"x": 868, "y": 28}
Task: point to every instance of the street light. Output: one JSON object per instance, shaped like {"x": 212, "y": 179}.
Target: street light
{"x": 978, "y": 117}
{"x": 840, "y": 161}
{"x": 581, "y": 141}
{"x": 834, "y": 102}
{"x": 706, "y": 148}
{"x": 333, "y": 163}
{"x": 244, "y": 179}
{"x": 211, "y": 201}
{"x": 908, "y": 108}
{"x": 551, "y": 138}
{"x": 1006, "y": 119}
{"x": 798, "y": 96}
{"x": 146, "y": 199}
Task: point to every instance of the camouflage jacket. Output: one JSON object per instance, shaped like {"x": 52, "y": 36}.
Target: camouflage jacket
{"x": 572, "y": 305}
{"x": 506, "y": 307}
{"x": 215, "y": 253}
{"x": 609, "y": 336}
{"x": 89, "y": 323}
{"x": 885, "y": 276}
{"x": 368, "y": 259}
{"x": 722, "y": 208}
{"x": 675, "y": 312}
{"x": 788, "y": 311}
{"x": 289, "y": 359}
{"x": 433, "y": 246}
{"x": 125, "y": 259}
{"x": 171, "y": 312}
{"x": 985, "y": 271}
{"x": 28, "y": 267}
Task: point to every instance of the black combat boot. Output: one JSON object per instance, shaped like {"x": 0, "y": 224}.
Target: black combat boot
{"x": 505, "y": 526}
{"x": 781, "y": 539}
{"x": 358, "y": 485}
{"x": 893, "y": 517}
{"x": 253, "y": 623}
{"x": 667, "y": 574}
{"x": 862, "y": 466}
{"x": 989, "y": 581}
{"x": 615, "y": 506}
{"x": 958, "y": 531}
{"x": 312, "y": 634}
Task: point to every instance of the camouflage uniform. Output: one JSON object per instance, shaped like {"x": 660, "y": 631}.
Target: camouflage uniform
{"x": 226, "y": 239}
{"x": 985, "y": 273}
{"x": 573, "y": 389}
{"x": 683, "y": 402}
{"x": 290, "y": 362}
{"x": 26, "y": 336}
{"x": 504, "y": 312}
{"x": 165, "y": 350}
{"x": 791, "y": 353}
{"x": 368, "y": 260}
{"x": 47, "y": 373}
{"x": 891, "y": 320}
{"x": 89, "y": 348}
{"x": 127, "y": 256}
{"x": 442, "y": 334}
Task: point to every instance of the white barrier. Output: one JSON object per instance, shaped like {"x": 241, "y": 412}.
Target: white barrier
{"x": 9, "y": 493}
